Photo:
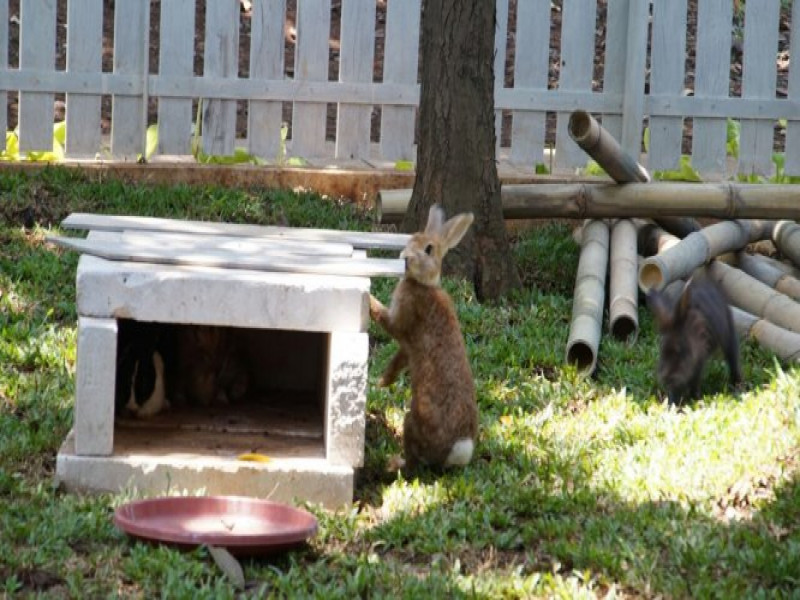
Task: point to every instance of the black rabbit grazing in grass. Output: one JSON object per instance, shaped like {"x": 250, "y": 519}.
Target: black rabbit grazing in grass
{"x": 691, "y": 329}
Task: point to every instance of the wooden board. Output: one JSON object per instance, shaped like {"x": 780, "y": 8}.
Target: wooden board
{"x": 666, "y": 78}
{"x": 530, "y": 72}
{"x": 358, "y": 239}
{"x": 84, "y": 54}
{"x": 758, "y": 81}
{"x": 36, "y": 52}
{"x": 128, "y": 113}
{"x": 355, "y": 64}
{"x": 175, "y": 59}
{"x": 400, "y": 67}
{"x": 220, "y": 59}
{"x": 712, "y": 74}
{"x": 577, "y": 62}
{"x": 264, "y": 119}
{"x": 268, "y": 244}
{"x": 222, "y": 258}
{"x": 311, "y": 65}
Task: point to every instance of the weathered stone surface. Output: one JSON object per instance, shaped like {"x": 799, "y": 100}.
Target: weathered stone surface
{"x": 212, "y": 296}
{"x": 282, "y": 479}
{"x": 347, "y": 397}
{"x": 94, "y": 386}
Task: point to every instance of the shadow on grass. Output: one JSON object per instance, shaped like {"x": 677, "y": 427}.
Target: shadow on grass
{"x": 546, "y": 516}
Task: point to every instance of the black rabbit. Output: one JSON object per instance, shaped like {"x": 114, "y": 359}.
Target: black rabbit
{"x": 691, "y": 329}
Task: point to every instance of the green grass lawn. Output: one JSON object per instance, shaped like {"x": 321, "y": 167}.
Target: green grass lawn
{"x": 580, "y": 487}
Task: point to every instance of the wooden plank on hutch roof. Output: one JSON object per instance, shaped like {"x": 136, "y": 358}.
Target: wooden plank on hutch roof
{"x": 792, "y": 153}
{"x": 128, "y": 113}
{"x": 222, "y": 258}
{"x": 311, "y": 64}
{"x": 175, "y": 57}
{"x": 712, "y": 79}
{"x": 500, "y": 46}
{"x": 400, "y": 66}
{"x": 264, "y": 118}
{"x": 3, "y": 65}
{"x": 758, "y": 81}
{"x": 614, "y": 61}
{"x": 37, "y": 47}
{"x": 531, "y": 63}
{"x": 668, "y": 55}
{"x": 356, "y": 63}
{"x": 358, "y": 239}
{"x": 221, "y": 59}
{"x": 578, "y": 19}
{"x": 84, "y": 54}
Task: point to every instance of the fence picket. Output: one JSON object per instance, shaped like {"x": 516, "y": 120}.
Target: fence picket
{"x": 3, "y": 65}
{"x": 532, "y": 51}
{"x": 792, "y": 149}
{"x": 131, "y": 38}
{"x": 712, "y": 74}
{"x": 37, "y": 47}
{"x": 400, "y": 66}
{"x": 84, "y": 55}
{"x": 667, "y": 56}
{"x": 220, "y": 59}
{"x": 614, "y": 63}
{"x": 758, "y": 81}
{"x": 356, "y": 61}
{"x": 311, "y": 64}
{"x": 175, "y": 55}
{"x": 577, "y": 58}
{"x": 266, "y": 62}
{"x": 500, "y": 47}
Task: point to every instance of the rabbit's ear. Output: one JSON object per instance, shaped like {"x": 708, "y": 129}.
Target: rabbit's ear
{"x": 435, "y": 220}
{"x": 455, "y": 228}
{"x": 662, "y": 310}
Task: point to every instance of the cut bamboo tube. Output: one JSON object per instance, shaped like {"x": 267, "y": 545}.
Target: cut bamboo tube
{"x": 651, "y": 237}
{"x": 757, "y": 298}
{"x": 588, "y": 298}
{"x": 766, "y": 272}
{"x": 598, "y": 143}
{"x": 623, "y": 314}
{"x": 604, "y": 149}
{"x": 696, "y": 249}
{"x": 784, "y": 343}
{"x": 654, "y": 200}
{"x": 786, "y": 235}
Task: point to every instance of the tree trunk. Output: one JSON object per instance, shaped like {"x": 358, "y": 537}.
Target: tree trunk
{"x": 456, "y": 164}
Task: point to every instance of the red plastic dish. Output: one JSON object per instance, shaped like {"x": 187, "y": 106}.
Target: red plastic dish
{"x": 244, "y": 526}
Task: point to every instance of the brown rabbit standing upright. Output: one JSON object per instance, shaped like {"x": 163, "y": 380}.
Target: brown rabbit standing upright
{"x": 691, "y": 329}
{"x": 441, "y": 425}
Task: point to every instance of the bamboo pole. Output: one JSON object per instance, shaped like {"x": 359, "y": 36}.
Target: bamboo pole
{"x": 588, "y": 298}
{"x": 784, "y": 343}
{"x": 604, "y": 149}
{"x": 651, "y": 237}
{"x": 623, "y": 314}
{"x": 766, "y": 272}
{"x": 680, "y": 260}
{"x": 620, "y": 166}
{"x": 655, "y": 200}
{"x": 786, "y": 235}
{"x": 755, "y": 297}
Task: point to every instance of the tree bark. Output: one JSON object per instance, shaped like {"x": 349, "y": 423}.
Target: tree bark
{"x": 456, "y": 164}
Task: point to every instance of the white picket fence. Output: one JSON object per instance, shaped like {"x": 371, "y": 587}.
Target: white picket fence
{"x": 623, "y": 104}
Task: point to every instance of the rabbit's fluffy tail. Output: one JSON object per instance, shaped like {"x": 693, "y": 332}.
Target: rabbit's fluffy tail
{"x": 460, "y": 453}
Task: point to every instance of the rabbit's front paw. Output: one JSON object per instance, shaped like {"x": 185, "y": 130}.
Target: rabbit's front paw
{"x": 375, "y": 308}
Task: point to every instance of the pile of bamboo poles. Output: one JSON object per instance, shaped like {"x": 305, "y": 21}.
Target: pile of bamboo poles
{"x": 639, "y": 235}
